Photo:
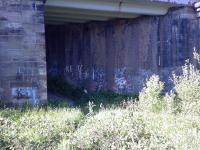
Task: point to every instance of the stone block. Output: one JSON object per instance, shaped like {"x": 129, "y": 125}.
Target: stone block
{"x": 20, "y": 54}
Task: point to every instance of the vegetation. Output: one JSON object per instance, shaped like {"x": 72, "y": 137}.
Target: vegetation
{"x": 60, "y": 86}
{"x": 157, "y": 121}
{"x": 36, "y": 129}
{"x": 81, "y": 98}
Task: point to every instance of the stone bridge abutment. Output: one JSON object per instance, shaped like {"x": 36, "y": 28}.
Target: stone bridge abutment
{"x": 92, "y": 44}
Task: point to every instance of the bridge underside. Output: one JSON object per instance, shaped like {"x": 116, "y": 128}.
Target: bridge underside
{"x": 98, "y": 45}
{"x": 81, "y": 11}
{"x": 117, "y": 54}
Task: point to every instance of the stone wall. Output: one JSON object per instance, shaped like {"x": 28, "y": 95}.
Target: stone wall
{"x": 22, "y": 52}
{"x": 120, "y": 54}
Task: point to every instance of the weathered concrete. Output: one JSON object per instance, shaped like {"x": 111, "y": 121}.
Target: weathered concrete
{"x": 120, "y": 54}
{"x": 22, "y": 52}
{"x": 116, "y": 54}
{"x": 81, "y": 11}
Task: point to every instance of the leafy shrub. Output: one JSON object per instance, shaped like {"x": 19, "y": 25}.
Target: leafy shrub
{"x": 185, "y": 97}
{"x": 38, "y": 129}
{"x": 128, "y": 129}
{"x": 150, "y": 97}
{"x": 110, "y": 129}
{"x": 172, "y": 103}
{"x": 104, "y": 98}
{"x": 187, "y": 87}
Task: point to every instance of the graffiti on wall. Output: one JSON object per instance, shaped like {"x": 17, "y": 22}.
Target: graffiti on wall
{"x": 122, "y": 80}
{"x": 81, "y": 73}
{"x": 28, "y": 93}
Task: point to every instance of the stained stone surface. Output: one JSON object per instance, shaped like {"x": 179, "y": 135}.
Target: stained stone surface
{"x": 120, "y": 54}
{"x": 22, "y": 52}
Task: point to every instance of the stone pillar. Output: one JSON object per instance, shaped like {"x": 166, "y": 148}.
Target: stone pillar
{"x": 22, "y": 52}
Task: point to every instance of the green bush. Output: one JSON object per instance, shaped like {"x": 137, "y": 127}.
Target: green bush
{"x": 150, "y": 97}
{"x": 106, "y": 99}
{"x": 128, "y": 129}
{"x": 109, "y": 129}
{"x": 187, "y": 87}
{"x": 37, "y": 129}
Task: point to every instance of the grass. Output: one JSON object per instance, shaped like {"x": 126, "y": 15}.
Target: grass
{"x": 37, "y": 128}
{"x": 107, "y": 99}
{"x": 124, "y": 127}
{"x": 100, "y": 98}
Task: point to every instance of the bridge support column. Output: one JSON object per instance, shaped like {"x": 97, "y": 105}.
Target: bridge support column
{"x": 22, "y": 52}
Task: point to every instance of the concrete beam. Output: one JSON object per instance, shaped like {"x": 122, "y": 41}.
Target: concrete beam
{"x": 102, "y": 10}
{"x": 75, "y": 16}
{"x": 85, "y": 13}
{"x": 110, "y": 6}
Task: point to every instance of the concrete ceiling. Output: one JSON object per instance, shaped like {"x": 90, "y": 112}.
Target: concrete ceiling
{"x": 81, "y": 11}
